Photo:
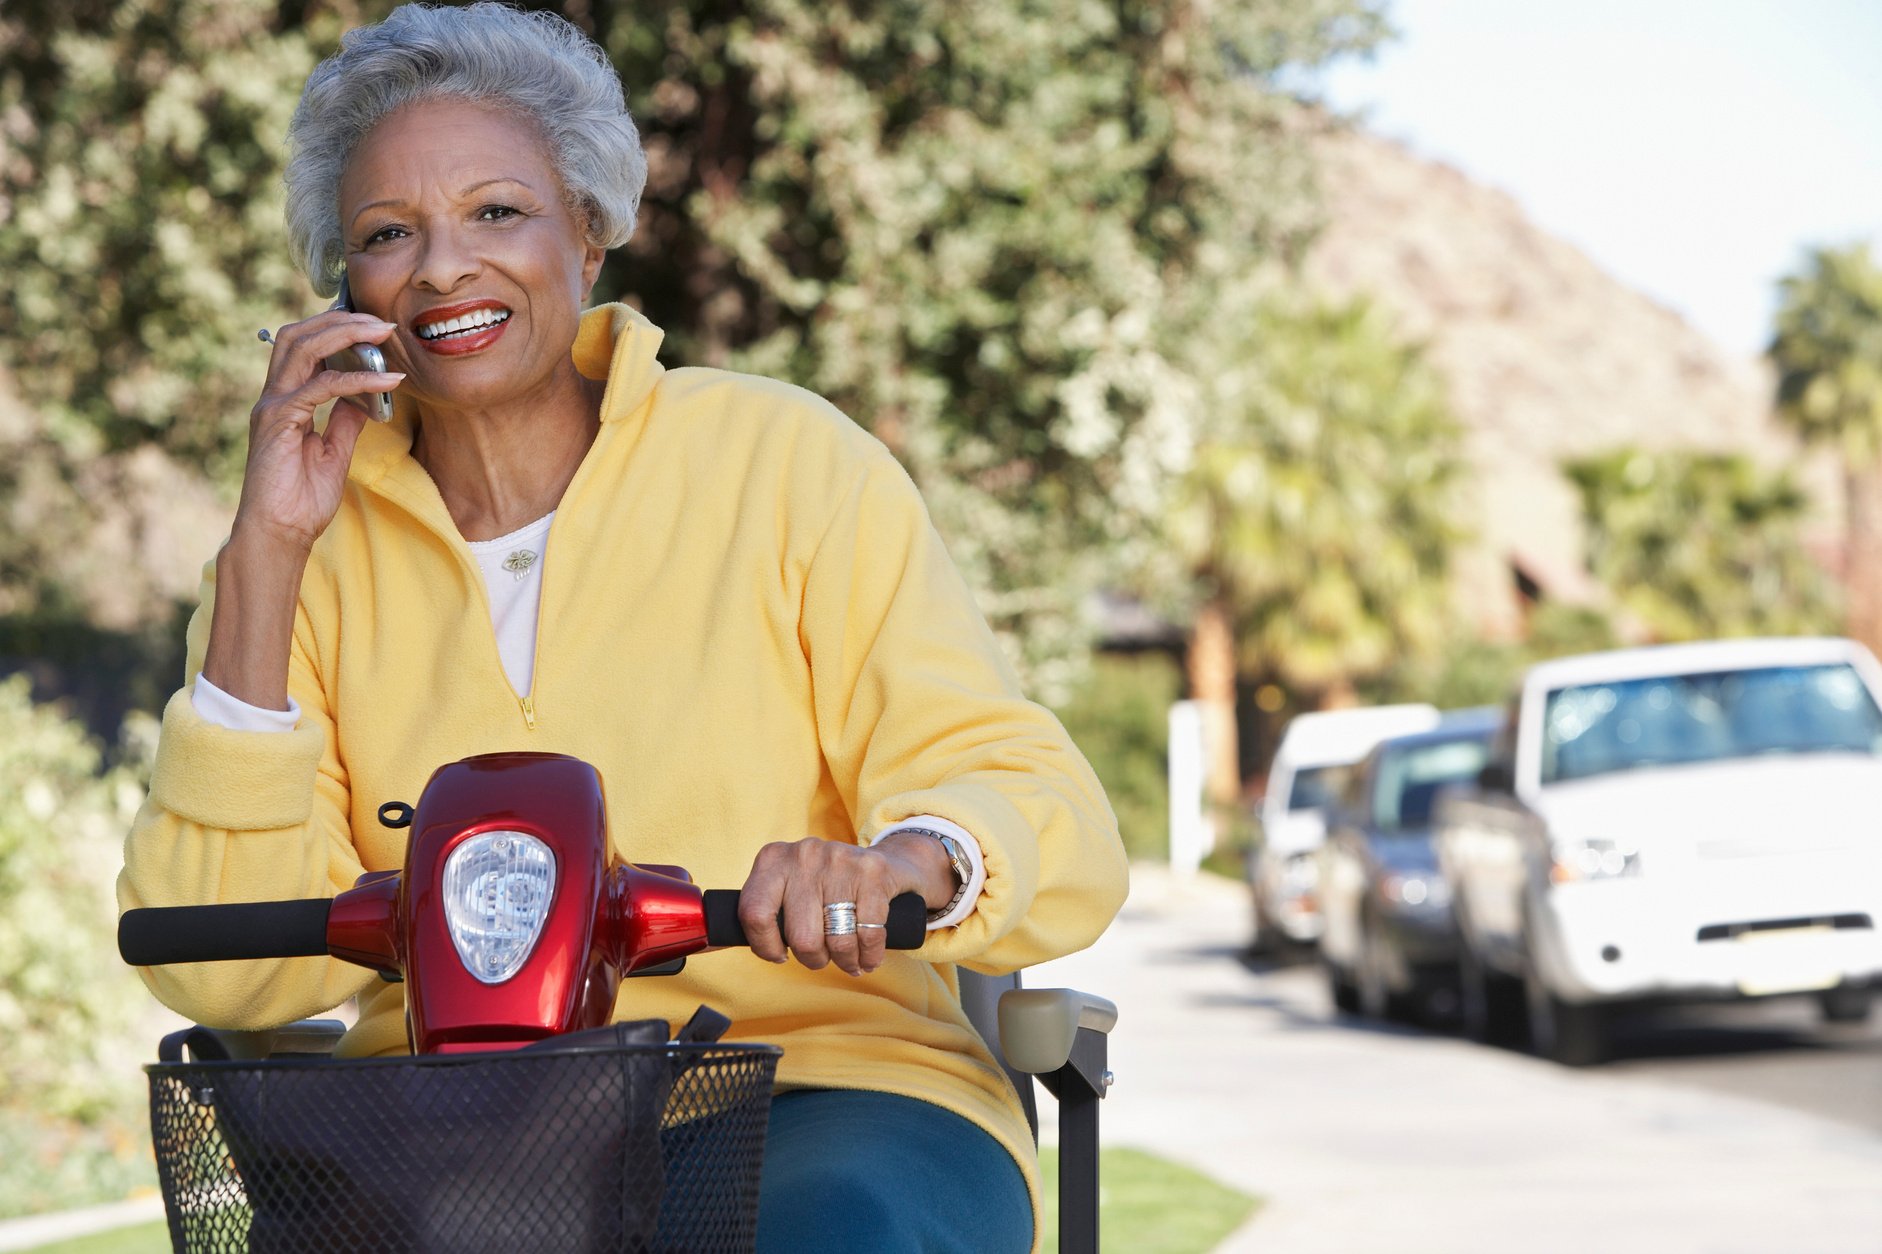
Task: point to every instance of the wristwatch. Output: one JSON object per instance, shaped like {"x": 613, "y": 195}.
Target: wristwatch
{"x": 958, "y": 862}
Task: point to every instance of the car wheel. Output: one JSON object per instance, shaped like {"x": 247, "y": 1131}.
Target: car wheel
{"x": 1340, "y": 987}
{"x": 1376, "y": 998}
{"x": 1846, "y": 1004}
{"x": 1263, "y": 943}
{"x": 1490, "y": 1007}
{"x": 1571, "y": 1033}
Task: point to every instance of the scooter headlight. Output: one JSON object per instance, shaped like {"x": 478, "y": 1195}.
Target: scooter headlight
{"x": 497, "y": 890}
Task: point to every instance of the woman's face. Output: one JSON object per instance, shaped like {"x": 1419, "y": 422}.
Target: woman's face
{"x": 456, "y": 230}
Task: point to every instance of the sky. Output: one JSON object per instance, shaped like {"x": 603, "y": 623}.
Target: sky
{"x": 1693, "y": 148}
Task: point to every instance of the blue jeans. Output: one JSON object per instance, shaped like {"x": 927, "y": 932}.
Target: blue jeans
{"x": 871, "y": 1173}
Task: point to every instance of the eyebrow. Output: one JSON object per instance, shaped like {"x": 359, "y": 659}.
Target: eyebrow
{"x": 474, "y": 187}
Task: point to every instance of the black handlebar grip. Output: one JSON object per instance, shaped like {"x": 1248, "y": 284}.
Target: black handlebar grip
{"x": 908, "y": 920}
{"x": 159, "y": 935}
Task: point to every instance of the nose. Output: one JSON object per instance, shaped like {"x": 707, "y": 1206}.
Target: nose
{"x": 445, "y": 260}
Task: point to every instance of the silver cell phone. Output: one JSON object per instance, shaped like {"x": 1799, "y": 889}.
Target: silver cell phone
{"x": 378, "y": 405}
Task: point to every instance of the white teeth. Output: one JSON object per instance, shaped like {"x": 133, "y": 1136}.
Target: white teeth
{"x": 477, "y": 321}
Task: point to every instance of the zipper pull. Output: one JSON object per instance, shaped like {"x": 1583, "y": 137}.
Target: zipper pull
{"x": 529, "y": 713}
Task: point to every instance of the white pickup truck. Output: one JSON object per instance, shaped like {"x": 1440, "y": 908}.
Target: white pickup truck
{"x": 1687, "y": 822}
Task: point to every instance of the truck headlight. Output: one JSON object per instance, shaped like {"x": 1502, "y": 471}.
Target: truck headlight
{"x": 497, "y": 890}
{"x": 1597, "y": 859}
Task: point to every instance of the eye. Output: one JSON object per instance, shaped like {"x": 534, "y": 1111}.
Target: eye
{"x": 496, "y": 213}
{"x": 384, "y": 234}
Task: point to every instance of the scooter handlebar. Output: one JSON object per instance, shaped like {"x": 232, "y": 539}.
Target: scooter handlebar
{"x": 158, "y": 935}
{"x": 908, "y": 920}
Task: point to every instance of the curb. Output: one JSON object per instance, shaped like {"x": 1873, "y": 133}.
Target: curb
{"x": 36, "y": 1230}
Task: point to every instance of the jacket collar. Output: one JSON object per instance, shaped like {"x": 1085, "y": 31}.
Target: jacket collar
{"x": 612, "y": 342}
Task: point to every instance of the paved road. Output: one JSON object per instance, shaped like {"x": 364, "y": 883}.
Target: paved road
{"x": 1777, "y": 1051}
{"x": 1367, "y": 1137}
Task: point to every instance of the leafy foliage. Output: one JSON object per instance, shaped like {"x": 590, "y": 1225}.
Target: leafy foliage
{"x": 140, "y": 215}
{"x": 989, "y": 230}
{"x": 1322, "y": 504}
{"x": 68, "y": 1088}
{"x": 1701, "y": 544}
{"x": 1828, "y": 354}
{"x": 1118, "y": 715}
{"x": 1828, "y": 351}
{"x": 1468, "y": 671}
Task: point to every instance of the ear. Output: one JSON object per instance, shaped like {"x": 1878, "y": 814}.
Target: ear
{"x": 592, "y": 257}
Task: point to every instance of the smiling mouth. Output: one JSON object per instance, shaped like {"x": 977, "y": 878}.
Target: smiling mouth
{"x": 463, "y": 326}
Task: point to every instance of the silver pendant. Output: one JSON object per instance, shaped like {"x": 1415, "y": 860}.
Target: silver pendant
{"x": 520, "y": 563}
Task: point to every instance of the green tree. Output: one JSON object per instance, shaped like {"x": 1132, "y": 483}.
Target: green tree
{"x": 1697, "y": 545}
{"x": 140, "y": 216}
{"x": 1828, "y": 352}
{"x": 1316, "y": 524}
{"x": 992, "y": 231}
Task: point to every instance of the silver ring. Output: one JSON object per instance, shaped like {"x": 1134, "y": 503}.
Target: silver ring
{"x": 874, "y": 927}
{"x": 265, "y": 336}
{"x": 839, "y": 918}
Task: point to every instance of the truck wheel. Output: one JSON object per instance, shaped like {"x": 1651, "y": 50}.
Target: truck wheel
{"x": 1571, "y": 1033}
{"x": 1489, "y": 1005}
{"x": 1339, "y": 987}
{"x": 1845, "y": 1005}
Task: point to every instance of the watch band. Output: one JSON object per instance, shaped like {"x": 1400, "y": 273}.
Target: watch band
{"x": 958, "y": 862}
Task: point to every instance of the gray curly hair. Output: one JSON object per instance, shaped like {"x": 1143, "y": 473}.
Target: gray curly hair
{"x": 536, "y": 65}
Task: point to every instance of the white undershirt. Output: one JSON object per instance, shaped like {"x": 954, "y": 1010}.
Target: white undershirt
{"x": 512, "y": 567}
{"x": 512, "y": 570}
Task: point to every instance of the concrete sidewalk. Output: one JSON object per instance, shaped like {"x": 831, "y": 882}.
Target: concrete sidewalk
{"x": 1381, "y": 1139}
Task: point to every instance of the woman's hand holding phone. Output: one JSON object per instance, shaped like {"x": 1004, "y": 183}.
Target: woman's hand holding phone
{"x": 291, "y": 490}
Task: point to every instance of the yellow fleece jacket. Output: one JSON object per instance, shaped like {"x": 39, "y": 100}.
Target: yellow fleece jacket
{"x": 750, "y": 628}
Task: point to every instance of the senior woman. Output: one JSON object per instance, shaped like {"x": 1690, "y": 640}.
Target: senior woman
{"x": 714, "y": 587}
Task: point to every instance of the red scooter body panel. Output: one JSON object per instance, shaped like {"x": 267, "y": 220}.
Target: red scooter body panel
{"x": 654, "y": 916}
{"x": 569, "y": 977}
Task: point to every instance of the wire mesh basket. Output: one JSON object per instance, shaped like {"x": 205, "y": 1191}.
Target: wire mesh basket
{"x": 622, "y": 1148}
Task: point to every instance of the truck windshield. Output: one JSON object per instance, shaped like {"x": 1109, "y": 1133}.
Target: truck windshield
{"x": 1316, "y": 787}
{"x": 1592, "y": 729}
{"x": 1409, "y": 779}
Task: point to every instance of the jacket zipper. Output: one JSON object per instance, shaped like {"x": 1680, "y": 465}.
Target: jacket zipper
{"x": 529, "y": 712}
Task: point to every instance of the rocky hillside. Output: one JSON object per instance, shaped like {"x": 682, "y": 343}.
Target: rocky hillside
{"x": 1547, "y": 357}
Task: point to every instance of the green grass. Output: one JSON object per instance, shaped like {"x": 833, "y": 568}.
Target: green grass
{"x": 150, "y": 1238}
{"x": 1150, "y": 1205}
{"x": 1146, "y": 1204}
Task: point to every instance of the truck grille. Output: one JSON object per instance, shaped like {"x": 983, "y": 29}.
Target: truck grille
{"x": 1836, "y": 922}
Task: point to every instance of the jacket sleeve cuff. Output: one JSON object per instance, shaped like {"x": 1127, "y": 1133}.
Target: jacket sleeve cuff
{"x": 970, "y": 846}
{"x": 234, "y": 780}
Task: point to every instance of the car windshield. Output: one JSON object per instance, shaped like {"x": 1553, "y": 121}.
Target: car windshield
{"x": 1409, "y": 779}
{"x": 1592, "y": 729}
{"x": 1317, "y": 787}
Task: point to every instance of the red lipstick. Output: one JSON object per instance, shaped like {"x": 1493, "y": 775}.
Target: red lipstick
{"x": 458, "y": 343}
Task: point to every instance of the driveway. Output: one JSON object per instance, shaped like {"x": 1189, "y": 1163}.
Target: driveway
{"x": 1373, "y": 1138}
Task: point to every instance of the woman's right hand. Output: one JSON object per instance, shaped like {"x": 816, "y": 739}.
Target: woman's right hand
{"x": 295, "y": 476}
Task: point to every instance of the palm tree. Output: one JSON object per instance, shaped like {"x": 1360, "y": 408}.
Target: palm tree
{"x": 1828, "y": 353}
{"x": 1700, "y": 544}
{"x": 1317, "y": 521}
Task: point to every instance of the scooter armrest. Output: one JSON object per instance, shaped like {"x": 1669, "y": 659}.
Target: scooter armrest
{"x": 1039, "y": 1025}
